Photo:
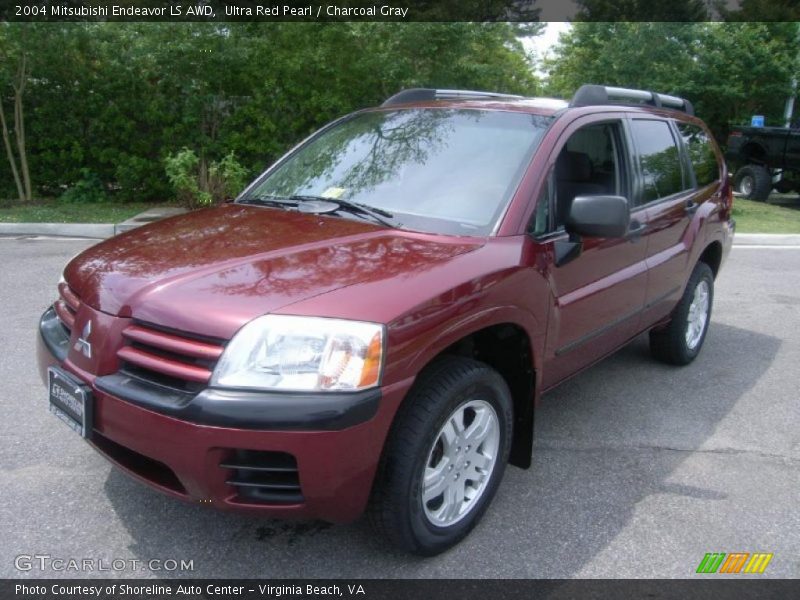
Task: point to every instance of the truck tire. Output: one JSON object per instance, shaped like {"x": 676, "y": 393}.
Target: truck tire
{"x": 444, "y": 457}
{"x": 753, "y": 182}
{"x": 680, "y": 341}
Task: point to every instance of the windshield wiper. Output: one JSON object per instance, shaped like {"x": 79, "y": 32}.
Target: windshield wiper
{"x": 384, "y": 217}
{"x": 270, "y": 201}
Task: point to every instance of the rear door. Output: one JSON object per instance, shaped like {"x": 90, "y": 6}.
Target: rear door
{"x": 671, "y": 192}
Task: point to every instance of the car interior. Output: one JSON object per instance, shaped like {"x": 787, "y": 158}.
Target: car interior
{"x": 587, "y": 165}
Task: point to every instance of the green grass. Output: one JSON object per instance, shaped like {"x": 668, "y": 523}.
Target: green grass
{"x": 52, "y": 211}
{"x": 760, "y": 217}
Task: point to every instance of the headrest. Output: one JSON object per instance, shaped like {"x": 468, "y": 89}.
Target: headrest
{"x": 573, "y": 166}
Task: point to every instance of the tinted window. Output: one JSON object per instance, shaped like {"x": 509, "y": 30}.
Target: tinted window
{"x": 589, "y": 164}
{"x": 659, "y": 159}
{"x": 437, "y": 170}
{"x": 541, "y": 223}
{"x": 701, "y": 153}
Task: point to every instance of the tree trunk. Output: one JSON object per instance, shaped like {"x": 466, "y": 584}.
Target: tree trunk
{"x": 10, "y": 153}
{"x": 19, "y": 127}
{"x": 203, "y": 173}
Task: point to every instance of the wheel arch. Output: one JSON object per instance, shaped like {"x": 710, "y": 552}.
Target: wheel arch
{"x": 508, "y": 347}
{"x": 712, "y": 256}
{"x": 754, "y": 153}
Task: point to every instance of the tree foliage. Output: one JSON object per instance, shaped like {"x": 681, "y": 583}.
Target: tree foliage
{"x": 111, "y": 101}
{"x": 15, "y": 59}
{"x": 641, "y": 10}
{"x": 729, "y": 71}
{"x": 763, "y": 10}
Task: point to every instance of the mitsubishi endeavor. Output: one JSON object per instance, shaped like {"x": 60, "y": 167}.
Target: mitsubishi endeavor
{"x": 370, "y": 325}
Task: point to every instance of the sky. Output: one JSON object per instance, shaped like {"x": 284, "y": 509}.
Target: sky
{"x": 542, "y": 44}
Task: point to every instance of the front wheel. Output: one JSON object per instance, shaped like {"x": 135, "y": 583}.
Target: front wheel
{"x": 445, "y": 456}
{"x": 680, "y": 341}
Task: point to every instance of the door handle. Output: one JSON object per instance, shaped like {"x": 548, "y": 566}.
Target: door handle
{"x": 635, "y": 230}
{"x": 691, "y": 207}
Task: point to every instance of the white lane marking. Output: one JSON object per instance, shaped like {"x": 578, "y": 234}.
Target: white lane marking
{"x": 765, "y": 247}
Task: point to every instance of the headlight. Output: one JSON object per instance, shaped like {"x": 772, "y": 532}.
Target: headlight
{"x": 281, "y": 352}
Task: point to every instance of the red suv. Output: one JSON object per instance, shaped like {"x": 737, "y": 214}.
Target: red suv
{"x": 372, "y": 322}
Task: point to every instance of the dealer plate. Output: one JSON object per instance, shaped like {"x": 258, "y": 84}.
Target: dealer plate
{"x": 70, "y": 400}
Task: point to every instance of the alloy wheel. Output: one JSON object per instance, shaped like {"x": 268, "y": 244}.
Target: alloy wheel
{"x": 460, "y": 463}
{"x": 698, "y": 315}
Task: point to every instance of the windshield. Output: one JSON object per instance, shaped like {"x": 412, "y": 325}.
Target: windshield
{"x": 436, "y": 170}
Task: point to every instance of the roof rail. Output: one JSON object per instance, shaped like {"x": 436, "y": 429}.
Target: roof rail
{"x": 428, "y": 94}
{"x": 592, "y": 95}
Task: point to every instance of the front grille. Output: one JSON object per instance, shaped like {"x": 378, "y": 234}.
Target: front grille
{"x": 66, "y": 306}
{"x": 264, "y": 477}
{"x": 168, "y": 358}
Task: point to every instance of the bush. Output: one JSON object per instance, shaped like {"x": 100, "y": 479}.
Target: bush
{"x": 199, "y": 185}
{"x": 227, "y": 177}
{"x": 88, "y": 189}
{"x": 182, "y": 172}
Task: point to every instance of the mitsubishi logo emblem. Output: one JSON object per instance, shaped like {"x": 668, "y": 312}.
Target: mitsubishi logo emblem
{"x": 83, "y": 345}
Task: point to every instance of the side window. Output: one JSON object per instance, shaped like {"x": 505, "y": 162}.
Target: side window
{"x": 540, "y": 224}
{"x": 659, "y": 158}
{"x": 592, "y": 162}
{"x": 701, "y": 153}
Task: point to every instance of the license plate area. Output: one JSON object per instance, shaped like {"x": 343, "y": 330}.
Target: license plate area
{"x": 70, "y": 401}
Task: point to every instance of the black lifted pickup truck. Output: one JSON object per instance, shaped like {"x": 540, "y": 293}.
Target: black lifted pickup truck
{"x": 764, "y": 158}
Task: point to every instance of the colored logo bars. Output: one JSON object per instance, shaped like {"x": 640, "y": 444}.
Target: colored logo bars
{"x": 735, "y": 562}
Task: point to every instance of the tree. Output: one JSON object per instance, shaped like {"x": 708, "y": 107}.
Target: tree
{"x": 763, "y": 10}
{"x": 639, "y": 55}
{"x": 641, "y": 10}
{"x": 752, "y": 66}
{"x": 18, "y": 81}
{"x": 110, "y": 101}
{"x": 728, "y": 70}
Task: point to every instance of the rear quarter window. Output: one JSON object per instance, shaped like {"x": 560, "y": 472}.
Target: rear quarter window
{"x": 701, "y": 153}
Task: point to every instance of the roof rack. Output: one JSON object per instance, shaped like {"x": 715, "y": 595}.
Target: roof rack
{"x": 592, "y": 95}
{"x": 428, "y": 94}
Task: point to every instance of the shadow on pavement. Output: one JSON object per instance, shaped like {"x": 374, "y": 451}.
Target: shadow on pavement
{"x": 605, "y": 441}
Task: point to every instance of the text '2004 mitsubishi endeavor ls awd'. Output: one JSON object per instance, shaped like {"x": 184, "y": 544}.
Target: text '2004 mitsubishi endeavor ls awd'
{"x": 372, "y": 322}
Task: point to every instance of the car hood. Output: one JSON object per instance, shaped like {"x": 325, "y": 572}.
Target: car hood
{"x": 212, "y": 270}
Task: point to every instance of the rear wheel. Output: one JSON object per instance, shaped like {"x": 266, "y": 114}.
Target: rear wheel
{"x": 753, "y": 182}
{"x": 680, "y": 341}
{"x": 445, "y": 456}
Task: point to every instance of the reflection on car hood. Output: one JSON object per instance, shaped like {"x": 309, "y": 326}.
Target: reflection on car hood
{"x": 212, "y": 270}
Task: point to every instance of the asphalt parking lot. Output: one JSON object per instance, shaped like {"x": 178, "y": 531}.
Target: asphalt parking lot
{"x": 639, "y": 469}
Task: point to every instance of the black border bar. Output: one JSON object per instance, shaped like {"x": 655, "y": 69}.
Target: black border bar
{"x": 703, "y": 587}
{"x": 520, "y": 11}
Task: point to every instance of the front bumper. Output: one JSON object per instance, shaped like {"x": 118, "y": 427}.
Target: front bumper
{"x": 179, "y": 450}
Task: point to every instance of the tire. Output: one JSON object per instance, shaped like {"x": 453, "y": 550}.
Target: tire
{"x": 676, "y": 343}
{"x": 753, "y": 182}
{"x": 445, "y": 396}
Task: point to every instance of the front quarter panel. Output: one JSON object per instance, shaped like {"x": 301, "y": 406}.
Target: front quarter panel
{"x": 427, "y": 310}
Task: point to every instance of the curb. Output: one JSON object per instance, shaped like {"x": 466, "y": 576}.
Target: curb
{"x": 106, "y": 230}
{"x": 89, "y": 230}
{"x": 766, "y": 239}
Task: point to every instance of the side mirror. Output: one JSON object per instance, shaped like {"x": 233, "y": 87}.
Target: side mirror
{"x": 598, "y": 216}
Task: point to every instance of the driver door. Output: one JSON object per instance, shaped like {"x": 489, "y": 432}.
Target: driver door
{"x": 598, "y": 296}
